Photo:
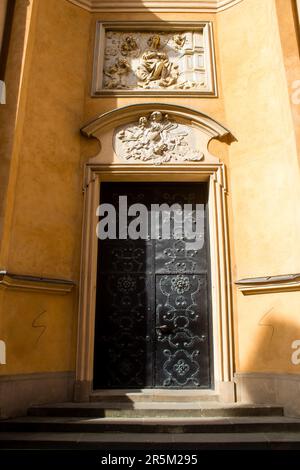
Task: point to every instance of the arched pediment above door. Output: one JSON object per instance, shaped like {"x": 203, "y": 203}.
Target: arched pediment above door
{"x": 154, "y": 133}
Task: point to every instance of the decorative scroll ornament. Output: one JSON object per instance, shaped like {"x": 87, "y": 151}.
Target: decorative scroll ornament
{"x": 156, "y": 138}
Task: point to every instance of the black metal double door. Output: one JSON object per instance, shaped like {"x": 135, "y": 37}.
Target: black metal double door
{"x": 152, "y": 324}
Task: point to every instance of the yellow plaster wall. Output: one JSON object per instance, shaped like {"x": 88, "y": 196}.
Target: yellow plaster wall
{"x": 267, "y": 326}
{"x": 289, "y": 30}
{"x": 48, "y": 200}
{"x": 40, "y": 332}
{"x": 264, "y": 181}
{"x": 43, "y": 231}
{"x": 12, "y": 114}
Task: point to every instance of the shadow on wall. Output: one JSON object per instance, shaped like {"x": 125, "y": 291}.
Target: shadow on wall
{"x": 272, "y": 364}
{"x": 11, "y": 73}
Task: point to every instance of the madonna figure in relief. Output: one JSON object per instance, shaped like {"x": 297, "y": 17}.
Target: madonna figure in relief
{"x": 156, "y": 65}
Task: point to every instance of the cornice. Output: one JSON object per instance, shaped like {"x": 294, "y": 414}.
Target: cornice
{"x": 269, "y": 284}
{"x": 34, "y": 284}
{"x": 120, "y": 6}
{"x": 129, "y": 113}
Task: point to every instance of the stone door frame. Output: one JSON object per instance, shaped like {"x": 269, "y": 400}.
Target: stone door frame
{"x": 212, "y": 172}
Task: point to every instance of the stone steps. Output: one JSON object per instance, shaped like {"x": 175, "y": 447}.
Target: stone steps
{"x": 147, "y": 425}
{"x": 151, "y": 425}
{"x": 145, "y": 441}
{"x": 153, "y": 410}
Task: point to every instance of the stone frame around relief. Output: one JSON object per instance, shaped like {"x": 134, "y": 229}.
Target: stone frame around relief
{"x": 179, "y": 76}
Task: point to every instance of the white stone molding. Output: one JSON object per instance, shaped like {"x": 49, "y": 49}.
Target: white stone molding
{"x": 2, "y": 352}
{"x": 269, "y": 284}
{"x": 119, "y": 6}
{"x": 154, "y": 58}
{"x": 34, "y": 284}
{"x": 210, "y": 171}
{"x": 2, "y": 92}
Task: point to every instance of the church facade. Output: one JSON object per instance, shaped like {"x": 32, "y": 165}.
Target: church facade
{"x": 189, "y": 103}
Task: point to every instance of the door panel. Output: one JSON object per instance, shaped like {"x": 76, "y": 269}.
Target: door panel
{"x": 121, "y": 329}
{"x": 181, "y": 348}
{"x": 153, "y": 306}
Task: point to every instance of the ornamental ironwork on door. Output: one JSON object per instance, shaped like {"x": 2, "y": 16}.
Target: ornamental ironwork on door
{"x": 153, "y": 322}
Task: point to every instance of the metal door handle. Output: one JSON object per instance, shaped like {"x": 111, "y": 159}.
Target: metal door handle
{"x": 164, "y": 329}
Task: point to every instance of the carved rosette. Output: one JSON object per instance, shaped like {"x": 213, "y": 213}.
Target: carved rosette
{"x": 156, "y": 139}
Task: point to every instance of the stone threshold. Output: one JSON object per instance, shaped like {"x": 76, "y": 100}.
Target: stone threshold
{"x": 154, "y": 395}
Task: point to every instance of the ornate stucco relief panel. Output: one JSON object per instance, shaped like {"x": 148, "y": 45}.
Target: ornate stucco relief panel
{"x": 155, "y": 138}
{"x": 158, "y": 134}
{"x": 150, "y": 58}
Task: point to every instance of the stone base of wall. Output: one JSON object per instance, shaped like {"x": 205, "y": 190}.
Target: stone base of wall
{"x": 260, "y": 388}
{"x": 18, "y": 392}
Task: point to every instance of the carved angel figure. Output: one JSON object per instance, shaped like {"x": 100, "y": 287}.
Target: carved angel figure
{"x": 155, "y": 65}
{"x": 116, "y": 73}
{"x": 128, "y": 46}
{"x": 179, "y": 40}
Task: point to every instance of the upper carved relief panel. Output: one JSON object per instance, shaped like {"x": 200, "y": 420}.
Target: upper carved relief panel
{"x": 148, "y": 58}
